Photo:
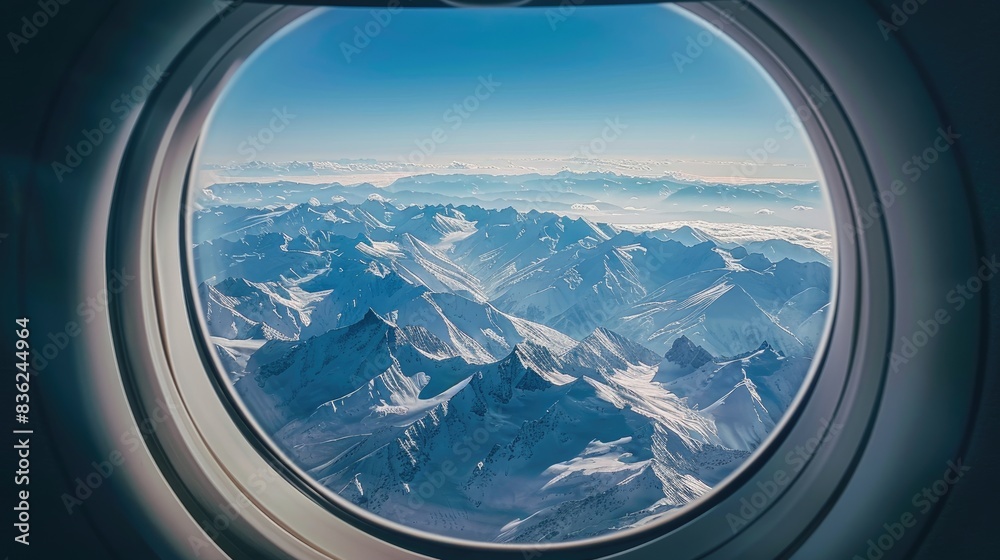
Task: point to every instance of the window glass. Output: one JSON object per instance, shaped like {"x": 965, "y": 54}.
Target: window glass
{"x": 511, "y": 275}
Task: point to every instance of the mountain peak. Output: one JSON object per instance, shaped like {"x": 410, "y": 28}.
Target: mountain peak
{"x": 533, "y": 356}
{"x": 741, "y": 417}
{"x": 605, "y": 336}
{"x": 606, "y": 350}
{"x": 739, "y": 252}
{"x": 371, "y": 319}
{"x": 236, "y": 287}
{"x": 686, "y": 353}
{"x": 733, "y": 302}
{"x": 536, "y": 361}
{"x": 766, "y": 349}
{"x": 644, "y": 478}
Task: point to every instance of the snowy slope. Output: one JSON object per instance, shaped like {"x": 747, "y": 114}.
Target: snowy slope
{"x": 570, "y": 377}
{"x": 710, "y": 309}
{"x": 290, "y": 379}
{"x": 238, "y": 309}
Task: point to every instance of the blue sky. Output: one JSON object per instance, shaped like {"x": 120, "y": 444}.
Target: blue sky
{"x": 560, "y": 79}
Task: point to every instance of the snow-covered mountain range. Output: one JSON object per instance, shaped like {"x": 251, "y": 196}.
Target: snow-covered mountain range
{"x": 600, "y": 196}
{"x": 499, "y": 374}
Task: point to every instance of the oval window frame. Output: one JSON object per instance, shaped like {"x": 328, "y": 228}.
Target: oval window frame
{"x": 164, "y": 340}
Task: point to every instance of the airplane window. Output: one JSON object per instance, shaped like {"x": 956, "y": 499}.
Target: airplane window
{"x": 511, "y": 276}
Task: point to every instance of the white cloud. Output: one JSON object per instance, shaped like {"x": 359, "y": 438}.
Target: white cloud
{"x": 818, "y": 239}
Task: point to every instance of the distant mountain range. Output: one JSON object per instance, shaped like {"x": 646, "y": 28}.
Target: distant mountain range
{"x": 502, "y": 375}
{"x": 598, "y": 196}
